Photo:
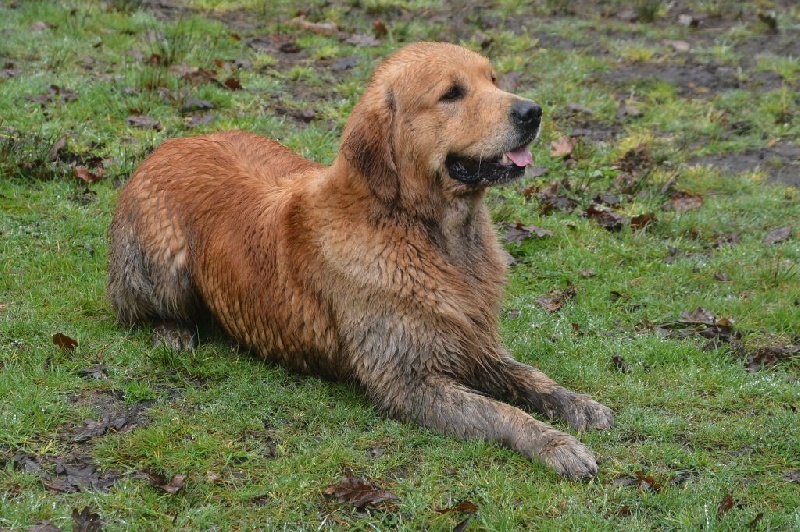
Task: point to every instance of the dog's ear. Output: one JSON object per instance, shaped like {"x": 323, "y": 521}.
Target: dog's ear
{"x": 368, "y": 145}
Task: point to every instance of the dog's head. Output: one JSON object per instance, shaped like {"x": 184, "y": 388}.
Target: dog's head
{"x": 432, "y": 115}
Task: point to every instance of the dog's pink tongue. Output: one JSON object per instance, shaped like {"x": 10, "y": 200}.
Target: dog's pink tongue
{"x": 520, "y": 157}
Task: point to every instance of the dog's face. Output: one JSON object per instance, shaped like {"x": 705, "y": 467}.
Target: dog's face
{"x": 435, "y": 110}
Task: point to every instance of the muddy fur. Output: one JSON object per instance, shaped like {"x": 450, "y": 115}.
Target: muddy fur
{"x": 382, "y": 268}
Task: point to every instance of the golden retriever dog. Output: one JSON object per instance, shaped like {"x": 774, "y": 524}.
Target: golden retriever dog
{"x": 383, "y": 268}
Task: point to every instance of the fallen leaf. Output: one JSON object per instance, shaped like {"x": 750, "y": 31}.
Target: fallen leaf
{"x": 464, "y": 506}
{"x": 777, "y": 235}
{"x": 86, "y": 520}
{"x": 320, "y": 28}
{"x": 513, "y": 314}
{"x": 770, "y": 19}
{"x": 642, "y": 220}
{"x": 681, "y": 201}
{"x": 619, "y": 363}
{"x": 379, "y": 29}
{"x": 725, "y": 506}
{"x": 232, "y": 84}
{"x": 60, "y": 143}
{"x": 65, "y": 342}
{"x": 767, "y": 357}
{"x": 636, "y": 161}
{"x": 678, "y": 46}
{"x": 193, "y": 104}
{"x": 757, "y": 519}
{"x": 39, "y": 25}
{"x": 173, "y": 486}
{"x": 462, "y": 526}
{"x": 588, "y": 273}
{"x": 518, "y": 233}
{"x": 688, "y": 20}
{"x": 605, "y": 218}
{"x": 792, "y": 476}
{"x": 606, "y": 198}
{"x": 200, "y": 120}
{"x": 290, "y": 47}
{"x": 629, "y": 110}
{"x": 556, "y": 299}
{"x": 646, "y": 482}
{"x": 98, "y": 371}
{"x": 358, "y": 492}
{"x": 551, "y": 198}
{"x": 85, "y": 175}
{"x": 44, "y": 526}
{"x": 536, "y": 171}
{"x": 344, "y": 63}
{"x": 363, "y": 40}
{"x": 722, "y": 276}
{"x": 144, "y": 122}
{"x": 562, "y": 147}
{"x": 699, "y": 315}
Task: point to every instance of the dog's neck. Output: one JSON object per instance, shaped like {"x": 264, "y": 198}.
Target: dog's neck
{"x": 454, "y": 218}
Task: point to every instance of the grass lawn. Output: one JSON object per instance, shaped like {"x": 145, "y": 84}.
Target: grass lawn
{"x": 655, "y": 250}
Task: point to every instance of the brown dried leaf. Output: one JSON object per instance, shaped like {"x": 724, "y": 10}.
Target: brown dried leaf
{"x": 642, "y": 220}
{"x": 232, "y": 84}
{"x": 678, "y": 46}
{"x": 358, "y": 492}
{"x": 60, "y": 143}
{"x": 464, "y": 506}
{"x": 174, "y": 485}
{"x": 725, "y": 506}
{"x": 605, "y": 218}
{"x": 619, "y": 363}
{"x": 144, "y": 122}
{"x": 792, "y": 476}
{"x": 562, "y": 147}
{"x": 65, "y": 342}
{"x": 200, "y": 120}
{"x": 681, "y": 201}
{"x": 363, "y": 40}
{"x": 320, "y": 28}
{"x": 556, "y": 299}
{"x": 44, "y": 526}
{"x": 86, "y": 520}
{"x": 518, "y": 233}
{"x": 777, "y": 235}
{"x": 646, "y": 482}
{"x": 85, "y": 175}
{"x": 379, "y": 29}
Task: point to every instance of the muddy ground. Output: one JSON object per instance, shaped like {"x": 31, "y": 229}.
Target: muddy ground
{"x": 466, "y": 20}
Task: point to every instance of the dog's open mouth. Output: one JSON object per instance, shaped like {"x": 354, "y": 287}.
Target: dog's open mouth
{"x": 491, "y": 171}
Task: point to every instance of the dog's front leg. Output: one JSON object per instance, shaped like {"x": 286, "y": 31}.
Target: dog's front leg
{"x": 529, "y": 387}
{"x": 444, "y": 405}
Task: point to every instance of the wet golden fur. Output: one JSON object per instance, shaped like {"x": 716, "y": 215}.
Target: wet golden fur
{"x": 380, "y": 268}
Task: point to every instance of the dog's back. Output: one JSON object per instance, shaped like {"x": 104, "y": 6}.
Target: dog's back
{"x": 196, "y": 226}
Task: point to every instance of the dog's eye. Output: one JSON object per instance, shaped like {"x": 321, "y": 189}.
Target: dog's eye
{"x": 456, "y": 92}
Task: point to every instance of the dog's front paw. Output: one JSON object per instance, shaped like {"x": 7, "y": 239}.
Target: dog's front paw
{"x": 174, "y": 336}
{"x": 568, "y": 456}
{"x": 583, "y": 413}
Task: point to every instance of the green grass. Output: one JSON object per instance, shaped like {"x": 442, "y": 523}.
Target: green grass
{"x": 260, "y": 445}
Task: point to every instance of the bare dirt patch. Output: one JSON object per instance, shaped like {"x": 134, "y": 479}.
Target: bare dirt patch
{"x": 781, "y": 162}
{"x": 74, "y": 469}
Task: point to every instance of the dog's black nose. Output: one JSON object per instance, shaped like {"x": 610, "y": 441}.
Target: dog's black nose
{"x": 526, "y": 114}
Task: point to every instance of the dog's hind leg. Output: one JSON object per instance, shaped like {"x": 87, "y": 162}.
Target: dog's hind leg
{"x": 149, "y": 281}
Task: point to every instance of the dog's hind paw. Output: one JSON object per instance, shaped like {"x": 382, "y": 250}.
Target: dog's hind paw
{"x": 176, "y": 337}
